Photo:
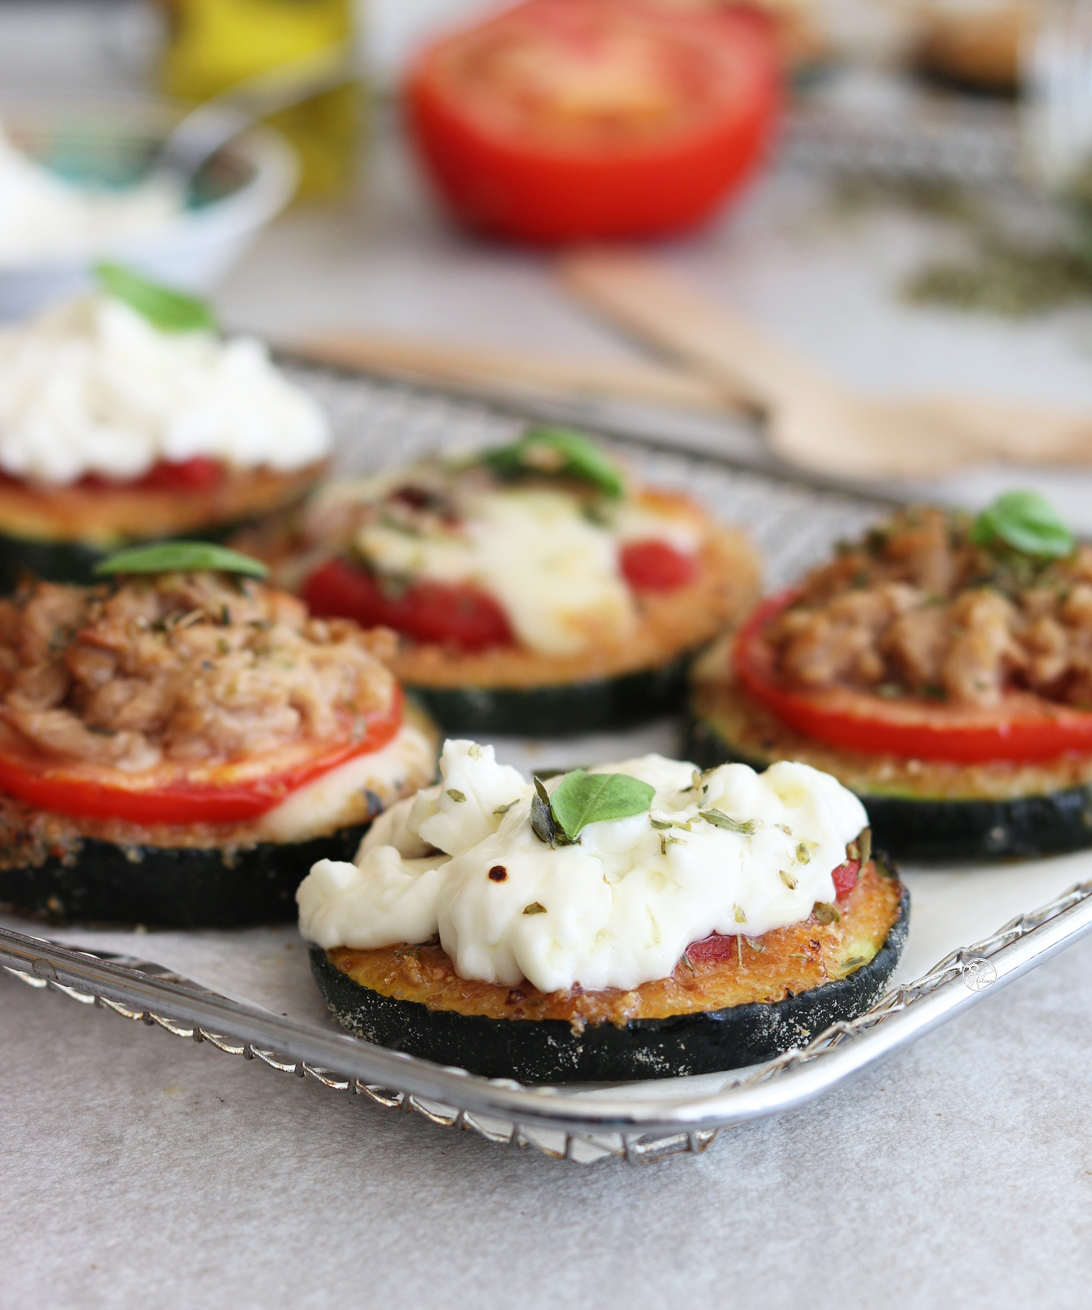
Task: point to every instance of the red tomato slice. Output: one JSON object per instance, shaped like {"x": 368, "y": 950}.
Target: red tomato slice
{"x": 433, "y": 612}
{"x": 234, "y": 794}
{"x": 656, "y": 566}
{"x": 197, "y": 474}
{"x": 845, "y": 878}
{"x": 713, "y": 949}
{"x": 1024, "y": 727}
{"x": 562, "y": 120}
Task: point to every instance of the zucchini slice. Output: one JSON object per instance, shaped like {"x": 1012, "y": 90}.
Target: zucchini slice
{"x": 783, "y": 991}
{"x": 61, "y": 534}
{"x": 58, "y": 868}
{"x": 926, "y": 810}
{"x": 514, "y": 690}
{"x": 172, "y": 887}
{"x": 560, "y": 710}
{"x": 519, "y": 692}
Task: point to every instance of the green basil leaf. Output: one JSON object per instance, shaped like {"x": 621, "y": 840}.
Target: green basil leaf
{"x": 584, "y": 798}
{"x": 180, "y": 557}
{"x": 1025, "y": 521}
{"x": 557, "y": 452}
{"x": 164, "y": 308}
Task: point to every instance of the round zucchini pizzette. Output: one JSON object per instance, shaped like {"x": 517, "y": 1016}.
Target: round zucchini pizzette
{"x": 941, "y": 668}
{"x": 125, "y": 417}
{"x": 640, "y": 920}
{"x": 173, "y": 746}
{"x": 535, "y": 590}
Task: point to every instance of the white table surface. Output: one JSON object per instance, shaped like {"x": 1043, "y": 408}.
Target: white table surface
{"x": 138, "y": 1168}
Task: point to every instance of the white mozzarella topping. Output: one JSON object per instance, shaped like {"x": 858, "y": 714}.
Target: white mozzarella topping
{"x": 341, "y": 797}
{"x": 553, "y": 571}
{"x": 615, "y": 909}
{"x": 634, "y": 521}
{"x": 93, "y": 387}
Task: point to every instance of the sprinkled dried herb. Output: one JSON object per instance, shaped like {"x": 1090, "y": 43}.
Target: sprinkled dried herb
{"x": 542, "y": 816}
{"x": 865, "y": 845}
{"x": 720, "y": 820}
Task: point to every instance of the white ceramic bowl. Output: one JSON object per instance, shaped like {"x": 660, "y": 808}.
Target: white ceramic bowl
{"x": 248, "y": 183}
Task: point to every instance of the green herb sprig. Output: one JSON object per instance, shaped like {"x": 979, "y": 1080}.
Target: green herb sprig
{"x": 1025, "y": 522}
{"x": 556, "y": 452}
{"x": 180, "y": 557}
{"x": 163, "y": 307}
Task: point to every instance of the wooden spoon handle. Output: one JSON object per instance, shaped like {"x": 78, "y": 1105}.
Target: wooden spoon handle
{"x": 1021, "y": 432}
{"x": 514, "y": 372}
{"x": 661, "y": 309}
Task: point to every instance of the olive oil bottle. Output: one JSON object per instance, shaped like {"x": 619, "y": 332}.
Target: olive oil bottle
{"x": 214, "y": 44}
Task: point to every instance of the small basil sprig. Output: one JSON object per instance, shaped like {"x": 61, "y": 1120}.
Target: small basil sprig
{"x": 166, "y": 309}
{"x": 180, "y": 557}
{"x": 1026, "y": 522}
{"x": 582, "y": 798}
{"x": 556, "y": 452}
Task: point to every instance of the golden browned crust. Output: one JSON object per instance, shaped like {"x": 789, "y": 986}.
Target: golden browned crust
{"x": 755, "y": 733}
{"x": 669, "y": 623}
{"x": 104, "y": 515}
{"x": 765, "y": 969}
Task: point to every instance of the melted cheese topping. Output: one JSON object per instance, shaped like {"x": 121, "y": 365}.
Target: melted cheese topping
{"x": 344, "y": 796}
{"x": 93, "y": 387}
{"x": 554, "y": 571}
{"x": 615, "y": 909}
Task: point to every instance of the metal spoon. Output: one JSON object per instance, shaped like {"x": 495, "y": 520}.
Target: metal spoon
{"x": 193, "y": 141}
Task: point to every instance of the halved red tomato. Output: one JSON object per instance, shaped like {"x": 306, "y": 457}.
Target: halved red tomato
{"x": 656, "y": 566}
{"x": 229, "y": 793}
{"x": 435, "y": 612}
{"x": 1022, "y": 727}
{"x": 563, "y": 120}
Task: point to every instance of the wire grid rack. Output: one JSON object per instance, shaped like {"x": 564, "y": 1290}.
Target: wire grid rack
{"x": 381, "y": 423}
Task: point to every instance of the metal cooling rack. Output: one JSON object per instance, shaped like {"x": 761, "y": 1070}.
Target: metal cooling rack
{"x": 793, "y": 523}
{"x": 560, "y": 1123}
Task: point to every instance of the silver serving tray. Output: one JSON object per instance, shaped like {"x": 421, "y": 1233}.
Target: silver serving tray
{"x": 793, "y": 523}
